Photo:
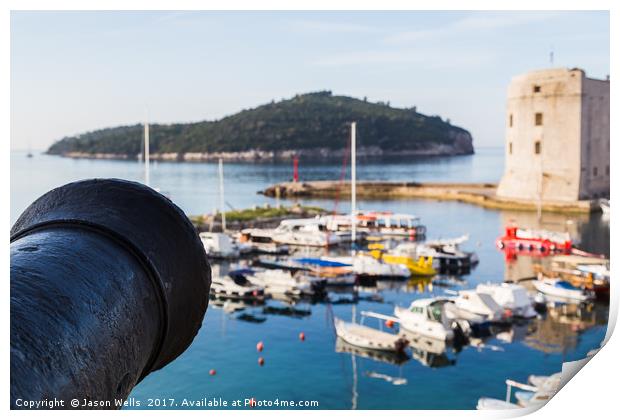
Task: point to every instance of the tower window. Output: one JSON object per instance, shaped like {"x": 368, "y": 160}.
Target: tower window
{"x": 510, "y": 148}
{"x": 595, "y": 171}
{"x": 510, "y": 120}
{"x": 536, "y": 88}
{"x": 537, "y": 147}
{"x": 538, "y": 118}
{"x": 607, "y": 170}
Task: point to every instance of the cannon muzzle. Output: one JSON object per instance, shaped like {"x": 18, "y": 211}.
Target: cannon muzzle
{"x": 109, "y": 282}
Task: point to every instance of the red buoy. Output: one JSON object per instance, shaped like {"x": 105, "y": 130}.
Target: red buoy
{"x": 389, "y": 323}
{"x": 259, "y": 346}
{"x": 261, "y": 361}
{"x": 302, "y": 336}
{"x": 212, "y": 372}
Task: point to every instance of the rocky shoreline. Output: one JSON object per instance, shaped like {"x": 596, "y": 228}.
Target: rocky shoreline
{"x": 256, "y": 155}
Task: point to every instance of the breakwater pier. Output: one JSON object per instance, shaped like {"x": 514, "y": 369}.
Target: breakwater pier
{"x": 482, "y": 194}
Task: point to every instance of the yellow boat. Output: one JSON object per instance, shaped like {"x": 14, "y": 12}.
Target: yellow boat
{"x": 422, "y": 267}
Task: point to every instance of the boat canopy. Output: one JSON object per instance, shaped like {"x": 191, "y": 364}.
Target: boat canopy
{"x": 566, "y": 285}
{"x": 320, "y": 262}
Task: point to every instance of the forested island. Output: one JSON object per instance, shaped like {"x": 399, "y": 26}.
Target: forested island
{"x": 313, "y": 125}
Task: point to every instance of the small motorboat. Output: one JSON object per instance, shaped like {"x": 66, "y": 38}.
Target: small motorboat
{"x": 369, "y": 338}
{"x": 583, "y": 271}
{"x": 304, "y": 232}
{"x": 479, "y": 303}
{"x": 278, "y": 263}
{"x": 336, "y": 273}
{"x": 427, "y": 317}
{"x": 236, "y": 286}
{"x": 219, "y": 245}
{"x": 367, "y": 267}
{"x": 260, "y": 241}
{"x": 557, "y": 288}
{"x": 604, "y": 204}
{"x": 418, "y": 266}
{"x": 513, "y": 298}
{"x": 534, "y": 394}
{"x": 285, "y": 283}
{"x": 446, "y": 254}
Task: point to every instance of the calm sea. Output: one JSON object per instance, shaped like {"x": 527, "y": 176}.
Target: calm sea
{"x": 320, "y": 368}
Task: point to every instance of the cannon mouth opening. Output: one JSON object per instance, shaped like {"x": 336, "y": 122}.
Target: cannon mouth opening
{"x": 152, "y": 229}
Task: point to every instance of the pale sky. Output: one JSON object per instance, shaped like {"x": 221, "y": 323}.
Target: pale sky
{"x": 73, "y": 72}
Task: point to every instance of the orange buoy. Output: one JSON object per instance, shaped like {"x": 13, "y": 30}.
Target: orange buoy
{"x": 212, "y": 372}
{"x": 260, "y": 346}
{"x": 389, "y": 323}
{"x": 261, "y": 361}
{"x": 302, "y": 336}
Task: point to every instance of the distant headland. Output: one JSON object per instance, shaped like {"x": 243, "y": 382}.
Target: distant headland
{"x": 313, "y": 125}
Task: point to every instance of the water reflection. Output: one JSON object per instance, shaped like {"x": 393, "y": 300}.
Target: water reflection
{"x": 559, "y": 330}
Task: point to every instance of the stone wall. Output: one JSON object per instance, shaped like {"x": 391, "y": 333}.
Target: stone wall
{"x": 557, "y": 131}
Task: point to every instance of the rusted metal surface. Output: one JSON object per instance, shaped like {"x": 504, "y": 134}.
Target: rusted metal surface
{"x": 109, "y": 282}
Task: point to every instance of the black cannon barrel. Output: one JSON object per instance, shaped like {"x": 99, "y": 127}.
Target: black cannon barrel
{"x": 109, "y": 282}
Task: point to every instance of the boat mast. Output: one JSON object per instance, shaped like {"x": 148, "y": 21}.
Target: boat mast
{"x": 146, "y": 153}
{"x": 353, "y": 186}
{"x": 222, "y": 210}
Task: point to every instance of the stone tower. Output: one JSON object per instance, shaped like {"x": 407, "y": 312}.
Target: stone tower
{"x": 557, "y": 137}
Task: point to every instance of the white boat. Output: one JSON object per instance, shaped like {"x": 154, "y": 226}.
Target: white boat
{"x": 368, "y": 267}
{"x": 427, "y": 317}
{"x": 604, "y": 203}
{"x": 452, "y": 242}
{"x": 536, "y": 393}
{"x": 304, "y": 232}
{"x": 369, "y": 338}
{"x": 372, "y": 222}
{"x": 390, "y": 224}
{"x": 479, "y": 303}
{"x": 446, "y": 255}
{"x": 219, "y": 245}
{"x": 236, "y": 286}
{"x": 512, "y": 297}
{"x": 286, "y": 283}
{"x": 557, "y": 288}
{"x": 486, "y": 403}
{"x": 261, "y": 241}
{"x": 599, "y": 271}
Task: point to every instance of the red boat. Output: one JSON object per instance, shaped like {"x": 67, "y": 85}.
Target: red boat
{"x": 534, "y": 242}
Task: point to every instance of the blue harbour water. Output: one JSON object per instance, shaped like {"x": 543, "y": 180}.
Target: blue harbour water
{"x": 320, "y": 368}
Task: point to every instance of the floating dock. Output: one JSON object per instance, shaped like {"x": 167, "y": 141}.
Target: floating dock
{"x": 482, "y": 194}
